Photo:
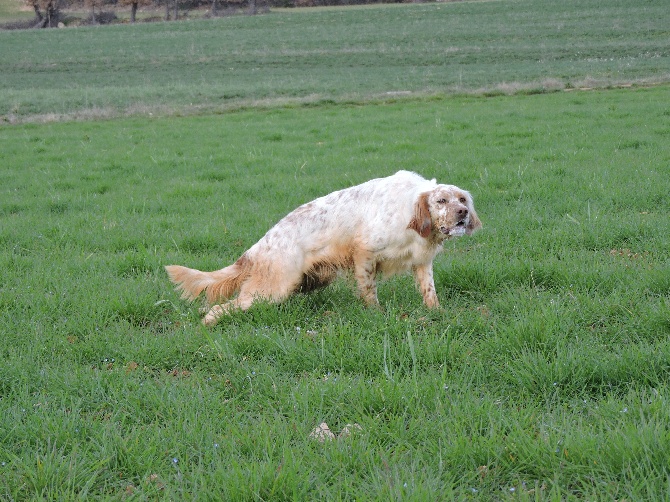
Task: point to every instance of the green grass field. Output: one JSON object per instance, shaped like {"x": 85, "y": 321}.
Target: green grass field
{"x": 546, "y": 375}
{"x": 12, "y": 10}
{"x": 342, "y": 55}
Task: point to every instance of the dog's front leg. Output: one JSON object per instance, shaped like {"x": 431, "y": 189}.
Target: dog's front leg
{"x": 424, "y": 281}
{"x": 365, "y": 270}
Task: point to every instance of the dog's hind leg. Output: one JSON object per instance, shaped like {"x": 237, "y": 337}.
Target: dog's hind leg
{"x": 272, "y": 285}
{"x": 218, "y": 311}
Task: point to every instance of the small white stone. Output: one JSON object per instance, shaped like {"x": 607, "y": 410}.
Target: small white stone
{"x": 322, "y": 433}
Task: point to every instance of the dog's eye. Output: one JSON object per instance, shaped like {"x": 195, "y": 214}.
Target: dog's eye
{"x": 442, "y": 201}
{"x": 463, "y": 200}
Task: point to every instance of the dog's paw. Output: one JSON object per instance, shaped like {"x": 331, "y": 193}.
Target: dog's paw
{"x": 213, "y": 315}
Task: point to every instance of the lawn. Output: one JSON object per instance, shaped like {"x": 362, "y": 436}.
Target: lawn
{"x": 545, "y": 376}
{"x": 546, "y": 373}
{"x": 12, "y": 10}
{"x": 342, "y": 55}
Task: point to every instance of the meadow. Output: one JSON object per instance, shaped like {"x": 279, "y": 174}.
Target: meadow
{"x": 545, "y": 376}
{"x": 341, "y": 55}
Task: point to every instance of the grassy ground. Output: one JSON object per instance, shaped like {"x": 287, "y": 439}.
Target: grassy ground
{"x": 14, "y": 10}
{"x": 545, "y": 377}
{"x": 331, "y": 54}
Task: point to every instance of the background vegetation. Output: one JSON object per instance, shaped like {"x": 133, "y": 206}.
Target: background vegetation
{"x": 545, "y": 376}
{"x": 340, "y": 55}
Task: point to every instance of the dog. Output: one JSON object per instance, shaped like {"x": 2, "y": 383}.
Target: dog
{"x": 382, "y": 227}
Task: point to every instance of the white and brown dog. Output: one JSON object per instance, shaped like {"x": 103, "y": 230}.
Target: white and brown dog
{"x": 386, "y": 225}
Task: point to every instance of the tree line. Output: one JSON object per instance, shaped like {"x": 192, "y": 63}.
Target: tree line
{"x": 49, "y": 13}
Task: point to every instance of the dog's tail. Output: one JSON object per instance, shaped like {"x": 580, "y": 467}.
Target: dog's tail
{"x": 218, "y": 285}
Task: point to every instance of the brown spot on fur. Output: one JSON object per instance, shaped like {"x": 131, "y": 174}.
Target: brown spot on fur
{"x": 307, "y": 211}
{"x": 323, "y": 269}
{"x": 319, "y": 276}
{"x": 421, "y": 222}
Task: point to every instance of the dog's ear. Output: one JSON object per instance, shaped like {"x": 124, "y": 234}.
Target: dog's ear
{"x": 474, "y": 223}
{"x": 421, "y": 221}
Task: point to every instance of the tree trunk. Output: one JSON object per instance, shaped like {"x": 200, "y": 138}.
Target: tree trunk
{"x": 133, "y": 12}
{"x": 93, "y": 19}
{"x": 52, "y": 15}
{"x": 176, "y": 10}
{"x": 38, "y": 14}
{"x": 252, "y": 7}
{"x": 167, "y": 10}
{"x": 214, "y": 8}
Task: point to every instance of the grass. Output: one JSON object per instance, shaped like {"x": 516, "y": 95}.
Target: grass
{"x": 545, "y": 377}
{"x": 13, "y": 10}
{"x": 342, "y": 55}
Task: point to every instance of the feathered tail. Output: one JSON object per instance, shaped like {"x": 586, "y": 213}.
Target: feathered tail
{"x": 218, "y": 285}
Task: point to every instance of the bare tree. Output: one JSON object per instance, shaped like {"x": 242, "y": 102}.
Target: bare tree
{"x": 134, "y": 5}
{"x": 38, "y": 14}
{"x": 167, "y": 10}
{"x": 51, "y": 13}
{"x": 92, "y": 4}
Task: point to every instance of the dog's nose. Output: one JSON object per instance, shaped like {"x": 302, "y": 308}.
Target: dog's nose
{"x": 462, "y": 213}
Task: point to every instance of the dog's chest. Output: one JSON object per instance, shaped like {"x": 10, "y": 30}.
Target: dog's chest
{"x": 402, "y": 256}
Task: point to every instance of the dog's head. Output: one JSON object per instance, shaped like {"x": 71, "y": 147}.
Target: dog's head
{"x": 444, "y": 212}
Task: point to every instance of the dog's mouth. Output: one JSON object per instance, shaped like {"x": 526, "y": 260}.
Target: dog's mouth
{"x": 457, "y": 230}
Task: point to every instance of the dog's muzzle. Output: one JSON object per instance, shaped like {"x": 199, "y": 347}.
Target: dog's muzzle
{"x": 461, "y": 225}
